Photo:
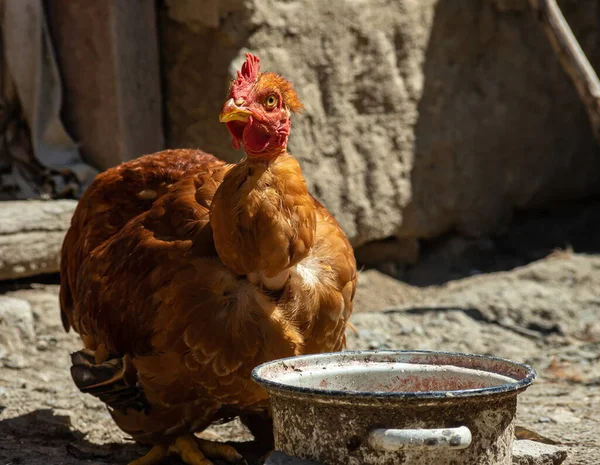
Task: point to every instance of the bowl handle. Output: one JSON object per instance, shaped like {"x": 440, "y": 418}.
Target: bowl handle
{"x": 397, "y": 439}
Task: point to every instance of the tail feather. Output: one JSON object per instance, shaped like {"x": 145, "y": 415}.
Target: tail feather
{"x": 114, "y": 381}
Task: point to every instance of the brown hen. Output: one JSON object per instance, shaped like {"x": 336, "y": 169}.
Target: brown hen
{"x": 182, "y": 273}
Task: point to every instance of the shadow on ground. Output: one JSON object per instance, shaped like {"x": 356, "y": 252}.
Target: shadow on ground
{"x": 42, "y": 437}
{"x": 530, "y": 236}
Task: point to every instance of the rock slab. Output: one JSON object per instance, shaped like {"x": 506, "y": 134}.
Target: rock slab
{"x": 31, "y": 236}
{"x": 535, "y": 453}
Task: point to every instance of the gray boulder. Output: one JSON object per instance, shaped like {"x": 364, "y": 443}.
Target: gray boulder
{"x": 422, "y": 116}
{"x": 31, "y": 236}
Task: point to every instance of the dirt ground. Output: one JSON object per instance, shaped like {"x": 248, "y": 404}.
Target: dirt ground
{"x": 513, "y": 296}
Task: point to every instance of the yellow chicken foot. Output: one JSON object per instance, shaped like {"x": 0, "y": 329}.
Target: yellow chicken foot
{"x": 218, "y": 450}
{"x": 156, "y": 455}
{"x": 192, "y": 451}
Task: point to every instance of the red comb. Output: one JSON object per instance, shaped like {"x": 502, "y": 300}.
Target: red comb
{"x": 250, "y": 68}
{"x": 248, "y": 75}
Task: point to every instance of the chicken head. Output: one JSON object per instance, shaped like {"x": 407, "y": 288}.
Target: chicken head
{"x": 257, "y": 110}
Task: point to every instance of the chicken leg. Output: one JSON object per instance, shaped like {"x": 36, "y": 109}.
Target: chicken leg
{"x": 192, "y": 450}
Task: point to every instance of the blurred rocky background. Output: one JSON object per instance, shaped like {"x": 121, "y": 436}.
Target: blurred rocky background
{"x": 443, "y": 134}
{"x": 422, "y": 117}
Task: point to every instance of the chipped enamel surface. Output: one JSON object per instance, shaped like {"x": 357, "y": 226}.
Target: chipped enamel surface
{"x": 383, "y": 407}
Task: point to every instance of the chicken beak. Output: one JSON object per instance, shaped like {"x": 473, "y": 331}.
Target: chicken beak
{"x": 234, "y": 111}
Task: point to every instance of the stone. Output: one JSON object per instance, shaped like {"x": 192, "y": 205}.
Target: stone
{"x": 31, "y": 236}
{"x": 108, "y": 57}
{"x": 422, "y": 116}
{"x": 17, "y": 332}
{"x": 527, "y": 452}
{"x": 537, "y": 297}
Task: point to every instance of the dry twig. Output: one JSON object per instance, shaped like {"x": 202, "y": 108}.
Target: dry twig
{"x": 571, "y": 57}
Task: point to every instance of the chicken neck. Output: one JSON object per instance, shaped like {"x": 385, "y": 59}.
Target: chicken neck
{"x": 263, "y": 219}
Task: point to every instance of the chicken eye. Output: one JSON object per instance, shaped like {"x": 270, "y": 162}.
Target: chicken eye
{"x": 271, "y": 101}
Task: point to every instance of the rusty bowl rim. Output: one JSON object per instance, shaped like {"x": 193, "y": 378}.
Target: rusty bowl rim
{"x": 518, "y": 385}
